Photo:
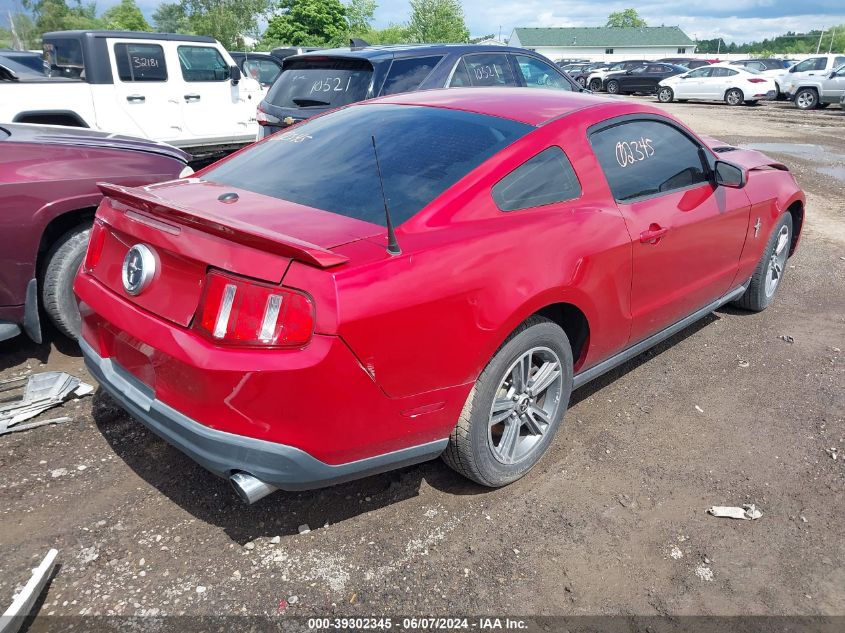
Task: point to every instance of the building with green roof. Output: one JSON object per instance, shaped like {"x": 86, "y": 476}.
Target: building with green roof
{"x": 605, "y": 42}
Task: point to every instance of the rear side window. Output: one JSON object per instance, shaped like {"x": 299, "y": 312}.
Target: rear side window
{"x": 545, "y": 179}
{"x": 140, "y": 62}
{"x": 725, "y": 72}
{"x": 328, "y": 162}
{"x": 202, "y": 63}
{"x": 701, "y": 72}
{"x": 647, "y": 158}
{"x": 264, "y": 71}
{"x": 64, "y": 58}
{"x": 321, "y": 82}
{"x": 489, "y": 69}
{"x": 838, "y": 61}
{"x": 538, "y": 74}
{"x": 406, "y": 75}
{"x": 460, "y": 76}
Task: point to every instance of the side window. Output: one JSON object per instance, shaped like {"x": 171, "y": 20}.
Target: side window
{"x": 202, "y": 63}
{"x": 140, "y": 62}
{"x": 811, "y": 64}
{"x": 756, "y": 66}
{"x": 701, "y": 72}
{"x": 544, "y": 179}
{"x": 655, "y": 68}
{"x": 406, "y": 75}
{"x": 724, "y": 72}
{"x": 646, "y": 158}
{"x": 460, "y": 77}
{"x": 538, "y": 74}
{"x": 837, "y": 62}
{"x": 489, "y": 69}
{"x": 263, "y": 71}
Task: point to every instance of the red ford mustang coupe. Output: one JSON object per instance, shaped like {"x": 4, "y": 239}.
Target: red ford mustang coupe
{"x": 422, "y": 275}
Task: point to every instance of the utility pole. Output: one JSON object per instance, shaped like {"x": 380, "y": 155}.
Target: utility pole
{"x": 819, "y": 45}
{"x": 832, "y": 35}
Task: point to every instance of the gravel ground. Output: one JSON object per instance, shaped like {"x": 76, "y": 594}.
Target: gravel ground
{"x": 612, "y": 521}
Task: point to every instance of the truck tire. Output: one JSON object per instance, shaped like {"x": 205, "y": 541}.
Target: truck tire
{"x": 61, "y": 264}
{"x": 515, "y": 407}
{"x": 807, "y": 99}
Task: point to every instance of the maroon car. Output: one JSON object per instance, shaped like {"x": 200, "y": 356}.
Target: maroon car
{"x": 48, "y": 196}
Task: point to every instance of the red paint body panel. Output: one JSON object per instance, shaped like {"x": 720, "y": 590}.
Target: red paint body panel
{"x": 400, "y": 340}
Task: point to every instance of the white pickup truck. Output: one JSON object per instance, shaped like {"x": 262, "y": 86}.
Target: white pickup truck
{"x": 180, "y": 89}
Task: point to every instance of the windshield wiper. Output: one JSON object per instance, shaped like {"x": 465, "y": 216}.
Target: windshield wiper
{"x": 303, "y": 103}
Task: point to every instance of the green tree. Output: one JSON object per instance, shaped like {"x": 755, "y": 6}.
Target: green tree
{"x": 307, "y": 23}
{"x": 56, "y": 15}
{"x": 170, "y": 17}
{"x": 125, "y": 16}
{"x": 628, "y": 17}
{"x": 437, "y": 21}
{"x": 23, "y": 32}
{"x": 393, "y": 34}
{"x": 225, "y": 20}
{"x": 359, "y": 16}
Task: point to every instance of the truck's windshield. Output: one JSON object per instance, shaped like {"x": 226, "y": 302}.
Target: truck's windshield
{"x": 63, "y": 58}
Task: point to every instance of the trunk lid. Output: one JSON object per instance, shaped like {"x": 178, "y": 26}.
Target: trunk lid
{"x": 190, "y": 229}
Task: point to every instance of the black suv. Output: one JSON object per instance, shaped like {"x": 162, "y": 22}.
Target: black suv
{"x": 314, "y": 82}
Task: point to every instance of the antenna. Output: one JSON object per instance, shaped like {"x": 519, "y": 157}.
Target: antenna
{"x": 392, "y": 244}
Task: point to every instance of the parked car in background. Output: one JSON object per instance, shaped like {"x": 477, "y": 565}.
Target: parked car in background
{"x": 181, "y": 89}
{"x": 595, "y": 80}
{"x": 48, "y": 195}
{"x": 460, "y": 331}
{"x": 809, "y": 69}
{"x": 767, "y": 67}
{"x": 687, "y": 62}
{"x": 718, "y": 82}
{"x": 315, "y": 82}
{"x": 641, "y": 79}
{"x": 817, "y": 90}
{"x": 283, "y": 52}
{"x": 263, "y": 67}
{"x": 29, "y": 60}
{"x": 580, "y": 75}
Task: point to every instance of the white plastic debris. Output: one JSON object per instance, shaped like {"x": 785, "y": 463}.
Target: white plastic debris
{"x": 39, "y": 392}
{"x": 747, "y": 512}
{"x": 13, "y": 617}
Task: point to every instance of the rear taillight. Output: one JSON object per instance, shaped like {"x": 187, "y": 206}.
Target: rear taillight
{"x": 756, "y": 80}
{"x": 265, "y": 118}
{"x": 95, "y": 246}
{"x": 237, "y": 311}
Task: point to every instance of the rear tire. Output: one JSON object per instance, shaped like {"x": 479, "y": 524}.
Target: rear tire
{"x": 665, "y": 94}
{"x": 62, "y": 262}
{"x": 807, "y": 99}
{"x": 734, "y": 97}
{"x": 770, "y": 269}
{"x": 508, "y": 421}
{"x": 595, "y": 85}
{"x": 613, "y": 87}
{"x": 752, "y": 102}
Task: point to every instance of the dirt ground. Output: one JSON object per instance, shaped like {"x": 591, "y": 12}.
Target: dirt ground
{"x": 612, "y": 521}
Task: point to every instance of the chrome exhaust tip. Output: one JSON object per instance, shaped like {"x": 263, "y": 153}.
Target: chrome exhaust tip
{"x": 249, "y": 488}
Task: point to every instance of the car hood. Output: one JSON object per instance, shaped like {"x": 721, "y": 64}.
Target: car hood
{"x": 83, "y": 137}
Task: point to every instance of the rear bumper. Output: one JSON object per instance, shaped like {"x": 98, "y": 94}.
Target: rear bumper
{"x": 286, "y": 467}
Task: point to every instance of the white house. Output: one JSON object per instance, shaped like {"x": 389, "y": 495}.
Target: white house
{"x": 605, "y": 43}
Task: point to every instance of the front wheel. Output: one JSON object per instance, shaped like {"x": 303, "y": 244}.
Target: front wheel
{"x": 582, "y": 82}
{"x": 595, "y": 85}
{"x": 613, "y": 87}
{"x": 665, "y": 95}
{"x": 770, "y": 269}
{"x": 806, "y": 99}
{"x": 515, "y": 407}
{"x": 734, "y": 97}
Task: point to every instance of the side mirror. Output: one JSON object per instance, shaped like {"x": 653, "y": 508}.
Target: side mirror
{"x": 728, "y": 175}
{"x": 792, "y": 70}
{"x": 234, "y": 74}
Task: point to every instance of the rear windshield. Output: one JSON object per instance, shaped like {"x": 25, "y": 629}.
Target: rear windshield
{"x": 328, "y": 162}
{"x": 321, "y": 82}
{"x": 63, "y": 57}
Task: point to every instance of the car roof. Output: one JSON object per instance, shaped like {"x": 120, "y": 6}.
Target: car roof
{"x": 399, "y": 50}
{"x": 525, "y": 105}
{"x": 135, "y": 35}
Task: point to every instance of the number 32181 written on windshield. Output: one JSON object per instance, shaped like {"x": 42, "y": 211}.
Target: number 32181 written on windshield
{"x": 331, "y": 84}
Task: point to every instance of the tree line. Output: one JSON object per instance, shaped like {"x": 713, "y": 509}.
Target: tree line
{"x": 288, "y": 22}
{"x": 790, "y": 43}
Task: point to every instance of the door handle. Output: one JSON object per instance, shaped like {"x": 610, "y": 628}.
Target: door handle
{"x": 136, "y": 98}
{"x": 653, "y": 234}
{"x": 190, "y": 98}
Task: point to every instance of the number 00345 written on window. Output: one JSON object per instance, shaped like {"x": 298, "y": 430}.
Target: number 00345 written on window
{"x": 630, "y": 152}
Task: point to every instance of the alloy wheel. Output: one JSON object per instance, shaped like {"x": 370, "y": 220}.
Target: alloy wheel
{"x": 777, "y": 261}
{"x": 527, "y": 401}
{"x": 805, "y": 99}
{"x": 665, "y": 95}
{"x": 734, "y": 97}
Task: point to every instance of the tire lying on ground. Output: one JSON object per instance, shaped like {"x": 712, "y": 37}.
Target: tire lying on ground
{"x": 61, "y": 264}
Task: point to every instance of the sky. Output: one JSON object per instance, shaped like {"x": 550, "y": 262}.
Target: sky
{"x": 734, "y": 20}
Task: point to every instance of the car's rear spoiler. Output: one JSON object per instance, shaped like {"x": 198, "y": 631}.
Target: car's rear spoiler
{"x": 230, "y": 229}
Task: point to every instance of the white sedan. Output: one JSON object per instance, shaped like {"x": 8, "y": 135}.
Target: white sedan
{"x": 718, "y": 82}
